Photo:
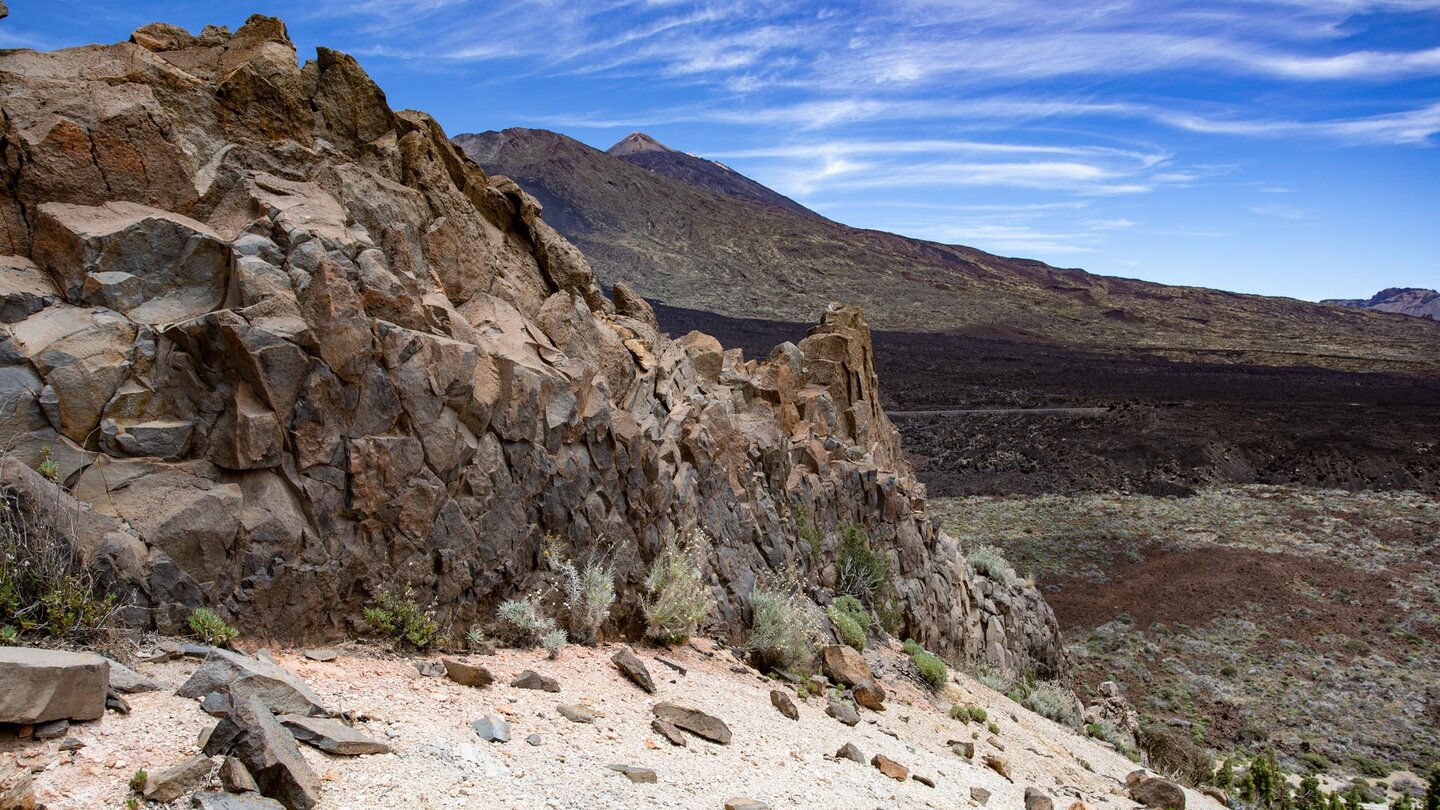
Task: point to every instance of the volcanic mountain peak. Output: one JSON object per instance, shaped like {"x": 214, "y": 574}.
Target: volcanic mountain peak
{"x": 637, "y": 142}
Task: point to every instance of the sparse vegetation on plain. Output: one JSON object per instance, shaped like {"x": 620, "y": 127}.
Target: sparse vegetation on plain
{"x": 677, "y": 599}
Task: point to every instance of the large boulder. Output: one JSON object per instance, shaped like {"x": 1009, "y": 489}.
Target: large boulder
{"x": 843, "y": 664}
{"x": 45, "y": 685}
{"x": 152, "y": 265}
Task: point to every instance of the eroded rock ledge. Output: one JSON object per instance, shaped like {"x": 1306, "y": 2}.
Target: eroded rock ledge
{"x": 291, "y": 347}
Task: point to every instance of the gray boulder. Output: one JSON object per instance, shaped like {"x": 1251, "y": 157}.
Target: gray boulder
{"x": 210, "y": 800}
{"x": 268, "y": 751}
{"x": 45, "y": 685}
{"x": 174, "y": 782}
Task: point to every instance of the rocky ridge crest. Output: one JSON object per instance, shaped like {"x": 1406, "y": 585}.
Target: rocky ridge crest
{"x": 289, "y": 348}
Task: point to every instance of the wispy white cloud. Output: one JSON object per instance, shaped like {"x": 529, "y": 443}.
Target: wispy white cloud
{"x": 1277, "y": 211}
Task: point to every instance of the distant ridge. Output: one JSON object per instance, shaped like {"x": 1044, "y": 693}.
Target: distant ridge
{"x": 1416, "y": 301}
{"x": 669, "y": 233}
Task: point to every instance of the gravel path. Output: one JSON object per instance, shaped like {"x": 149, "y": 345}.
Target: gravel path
{"x": 439, "y": 762}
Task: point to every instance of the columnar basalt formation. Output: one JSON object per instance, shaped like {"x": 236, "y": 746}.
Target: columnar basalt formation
{"x": 291, "y": 348}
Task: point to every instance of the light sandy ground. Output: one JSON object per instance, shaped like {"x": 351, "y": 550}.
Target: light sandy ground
{"x": 439, "y": 762}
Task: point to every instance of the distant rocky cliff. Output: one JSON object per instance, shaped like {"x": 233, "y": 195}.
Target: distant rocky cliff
{"x": 292, "y": 348}
{"x": 1414, "y": 301}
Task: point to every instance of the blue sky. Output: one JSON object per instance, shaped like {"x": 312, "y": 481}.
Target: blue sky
{"x": 1286, "y": 147}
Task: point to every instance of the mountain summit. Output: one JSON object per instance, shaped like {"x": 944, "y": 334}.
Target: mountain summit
{"x": 644, "y": 151}
{"x": 637, "y": 143}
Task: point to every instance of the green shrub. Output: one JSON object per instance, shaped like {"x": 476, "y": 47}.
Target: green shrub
{"x": 851, "y": 620}
{"x": 932, "y": 670}
{"x": 1372, "y": 768}
{"x": 1101, "y": 730}
{"x": 958, "y": 712}
{"x": 989, "y": 561}
{"x": 138, "y": 780}
{"x": 1314, "y": 762}
{"x": 401, "y": 619}
{"x": 678, "y": 600}
{"x": 890, "y": 614}
{"x": 589, "y": 594}
{"x": 522, "y": 624}
{"x": 994, "y": 728}
{"x": 861, "y": 571}
{"x": 1432, "y": 792}
{"x": 43, "y": 588}
{"x": 9, "y": 635}
{"x": 978, "y": 714}
{"x": 1050, "y": 700}
{"x": 782, "y": 628}
{"x": 206, "y": 625}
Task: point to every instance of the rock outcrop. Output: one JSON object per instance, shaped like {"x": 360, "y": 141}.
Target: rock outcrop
{"x": 291, "y": 349}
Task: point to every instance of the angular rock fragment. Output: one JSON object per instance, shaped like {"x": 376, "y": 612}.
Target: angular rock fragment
{"x": 530, "y": 679}
{"x": 174, "y": 782}
{"x": 851, "y": 752}
{"x": 243, "y": 677}
{"x": 668, "y": 730}
{"x": 890, "y": 767}
{"x": 269, "y": 752}
{"x": 210, "y": 800}
{"x": 1036, "y": 799}
{"x": 127, "y": 681}
{"x": 492, "y": 728}
{"x": 870, "y": 695}
{"x": 702, "y": 725}
{"x": 784, "y": 704}
{"x": 467, "y": 674}
{"x": 331, "y": 736}
{"x": 575, "y": 714}
{"x": 235, "y": 778}
{"x": 1158, "y": 793}
{"x": 843, "y": 664}
{"x": 633, "y": 668}
{"x": 636, "y": 774}
{"x": 842, "y": 711}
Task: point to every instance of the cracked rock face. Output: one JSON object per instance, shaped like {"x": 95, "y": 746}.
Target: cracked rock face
{"x": 293, "y": 349}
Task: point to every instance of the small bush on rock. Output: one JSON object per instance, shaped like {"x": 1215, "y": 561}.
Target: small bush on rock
{"x": 782, "y": 628}
{"x": 678, "y": 599}
{"x": 988, "y": 561}
{"x": 851, "y": 620}
{"x": 995, "y": 679}
{"x": 522, "y": 624}
{"x": 1180, "y": 757}
{"x": 400, "y": 618}
{"x": 206, "y": 625}
{"x": 862, "y": 572}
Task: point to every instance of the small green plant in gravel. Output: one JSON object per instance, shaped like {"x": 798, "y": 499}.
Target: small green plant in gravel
{"x": 398, "y": 617}
{"x": 782, "y": 627}
{"x": 138, "y": 780}
{"x": 207, "y": 626}
{"x": 677, "y": 599}
{"x": 851, "y": 620}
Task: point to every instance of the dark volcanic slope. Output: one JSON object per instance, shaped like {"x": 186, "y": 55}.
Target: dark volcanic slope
{"x": 690, "y": 247}
{"x": 1170, "y": 425}
{"x": 648, "y": 153}
{"x": 1400, "y": 300}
